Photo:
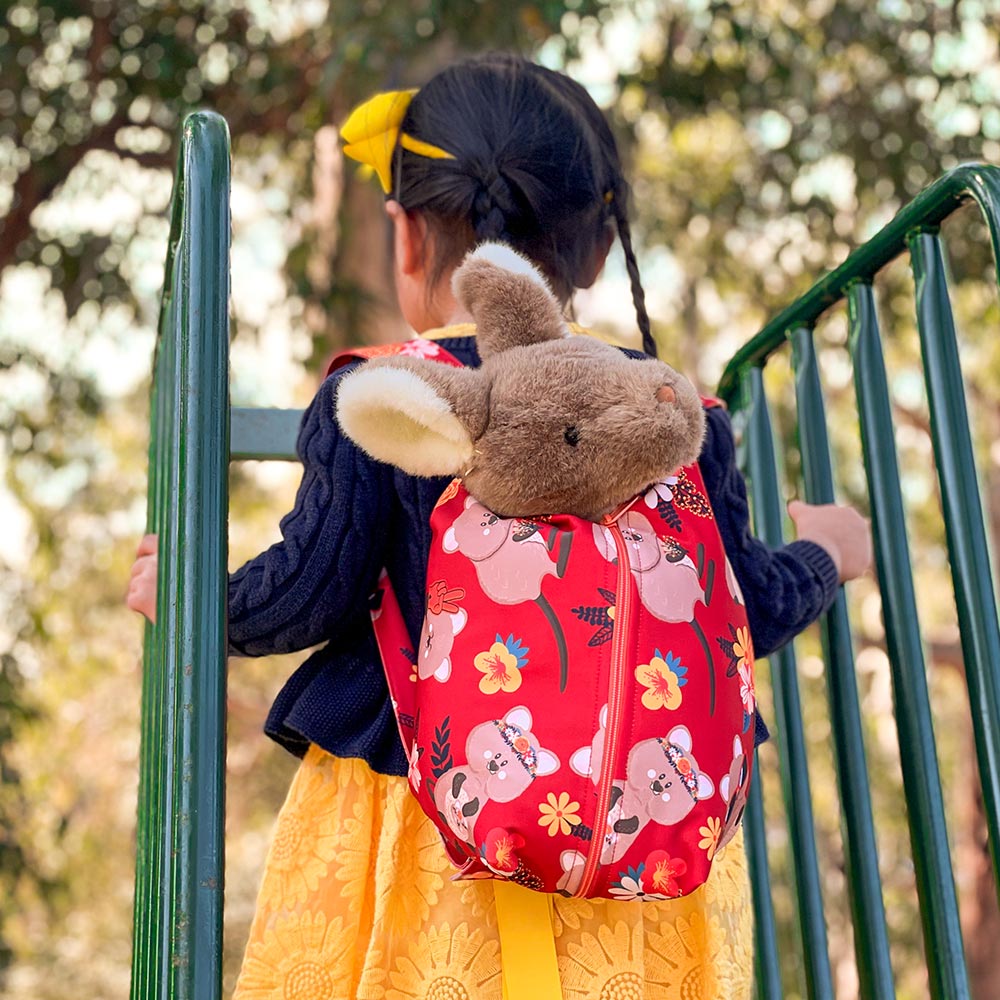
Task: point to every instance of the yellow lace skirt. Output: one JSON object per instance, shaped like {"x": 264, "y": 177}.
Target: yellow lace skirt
{"x": 357, "y": 902}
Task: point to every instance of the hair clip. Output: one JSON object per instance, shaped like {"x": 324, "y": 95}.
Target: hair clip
{"x": 372, "y": 130}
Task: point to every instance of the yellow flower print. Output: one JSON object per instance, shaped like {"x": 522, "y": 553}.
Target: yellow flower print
{"x": 694, "y": 949}
{"x": 410, "y": 849}
{"x": 663, "y": 677}
{"x": 571, "y": 914}
{"x": 741, "y": 644}
{"x": 461, "y": 966}
{"x": 304, "y": 844}
{"x": 303, "y": 957}
{"x": 500, "y": 667}
{"x": 559, "y": 815}
{"x": 613, "y": 965}
{"x": 728, "y": 887}
{"x": 710, "y": 836}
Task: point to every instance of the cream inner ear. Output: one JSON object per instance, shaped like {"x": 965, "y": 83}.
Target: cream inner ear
{"x": 397, "y": 417}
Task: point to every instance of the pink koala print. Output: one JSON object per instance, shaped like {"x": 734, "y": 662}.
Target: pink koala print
{"x": 512, "y": 560}
{"x": 510, "y": 571}
{"x": 573, "y": 864}
{"x": 733, "y": 585}
{"x": 586, "y": 761}
{"x": 443, "y": 621}
{"x": 662, "y": 785}
{"x": 733, "y": 788}
{"x": 665, "y": 575}
{"x": 504, "y": 758}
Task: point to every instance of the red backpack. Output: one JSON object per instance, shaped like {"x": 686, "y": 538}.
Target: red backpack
{"x": 578, "y": 715}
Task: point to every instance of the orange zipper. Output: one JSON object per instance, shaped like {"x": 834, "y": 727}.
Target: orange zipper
{"x": 616, "y": 697}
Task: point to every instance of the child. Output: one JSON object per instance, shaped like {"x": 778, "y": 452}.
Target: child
{"x": 357, "y": 899}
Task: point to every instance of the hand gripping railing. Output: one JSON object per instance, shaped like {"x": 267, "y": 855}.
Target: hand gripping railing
{"x": 915, "y": 229}
{"x": 177, "y": 947}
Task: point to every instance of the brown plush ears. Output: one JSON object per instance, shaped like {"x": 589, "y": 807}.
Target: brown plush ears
{"x": 508, "y": 298}
{"x": 421, "y": 416}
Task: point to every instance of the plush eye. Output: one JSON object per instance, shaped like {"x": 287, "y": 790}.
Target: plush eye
{"x": 571, "y": 435}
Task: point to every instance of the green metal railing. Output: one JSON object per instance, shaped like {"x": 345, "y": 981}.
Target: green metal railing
{"x": 914, "y": 229}
{"x": 177, "y": 947}
{"x": 177, "y": 950}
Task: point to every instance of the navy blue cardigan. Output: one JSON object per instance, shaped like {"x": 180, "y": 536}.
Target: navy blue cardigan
{"x": 352, "y": 516}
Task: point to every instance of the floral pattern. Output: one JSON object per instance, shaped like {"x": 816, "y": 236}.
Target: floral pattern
{"x": 710, "y": 834}
{"x": 420, "y": 348}
{"x": 559, "y": 815}
{"x": 663, "y": 677}
{"x": 662, "y": 872}
{"x": 741, "y": 645}
{"x": 631, "y": 884}
{"x": 611, "y": 961}
{"x": 660, "y": 492}
{"x": 398, "y": 928}
{"x": 603, "y": 618}
{"x": 447, "y": 965}
{"x": 687, "y": 496}
{"x": 300, "y": 958}
{"x": 502, "y": 664}
{"x": 499, "y": 850}
{"x": 737, "y": 648}
{"x": 747, "y": 690}
{"x": 304, "y": 845}
{"x": 685, "y": 945}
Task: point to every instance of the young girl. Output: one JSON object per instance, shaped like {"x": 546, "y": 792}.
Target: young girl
{"x": 357, "y": 898}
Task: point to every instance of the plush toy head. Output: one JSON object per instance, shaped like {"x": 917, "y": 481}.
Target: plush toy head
{"x": 550, "y": 422}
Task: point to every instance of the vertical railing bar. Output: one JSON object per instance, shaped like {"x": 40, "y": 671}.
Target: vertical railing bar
{"x": 766, "y": 965}
{"x": 202, "y": 502}
{"x": 148, "y": 857}
{"x": 181, "y": 803}
{"x": 767, "y": 509}
{"x": 921, "y": 779}
{"x": 871, "y": 940}
{"x": 963, "y": 518}
{"x": 163, "y": 751}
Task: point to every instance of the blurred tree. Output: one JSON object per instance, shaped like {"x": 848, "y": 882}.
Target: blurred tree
{"x": 765, "y": 139}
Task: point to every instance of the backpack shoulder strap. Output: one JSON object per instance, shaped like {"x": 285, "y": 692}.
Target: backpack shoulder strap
{"x": 710, "y": 403}
{"x": 429, "y": 350}
{"x": 391, "y": 634}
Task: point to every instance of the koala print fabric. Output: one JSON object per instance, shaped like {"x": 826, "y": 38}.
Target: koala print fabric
{"x": 580, "y": 694}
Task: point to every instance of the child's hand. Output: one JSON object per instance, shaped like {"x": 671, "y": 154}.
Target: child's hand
{"x": 141, "y": 594}
{"x": 842, "y": 531}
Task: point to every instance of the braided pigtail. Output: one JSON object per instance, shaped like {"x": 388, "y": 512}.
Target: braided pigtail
{"x": 493, "y": 207}
{"x": 638, "y": 294}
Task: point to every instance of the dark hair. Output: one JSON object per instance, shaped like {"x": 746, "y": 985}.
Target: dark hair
{"x": 535, "y": 166}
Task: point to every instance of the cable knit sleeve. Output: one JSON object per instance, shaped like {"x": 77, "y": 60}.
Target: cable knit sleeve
{"x": 786, "y": 588}
{"x": 320, "y": 574}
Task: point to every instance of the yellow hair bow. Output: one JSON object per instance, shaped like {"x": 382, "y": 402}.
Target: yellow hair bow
{"x": 372, "y": 129}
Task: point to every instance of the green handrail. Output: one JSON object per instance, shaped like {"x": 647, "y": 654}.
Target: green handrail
{"x": 928, "y": 210}
{"x": 913, "y": 229}
{"x": 928, "y": 834}
{"x": 763, "y": 471}
{"x": 863, "y": 879}
{"x": 177, "y": 948}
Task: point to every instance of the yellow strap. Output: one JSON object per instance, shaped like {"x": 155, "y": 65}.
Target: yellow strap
{"x": 528, "y": 964}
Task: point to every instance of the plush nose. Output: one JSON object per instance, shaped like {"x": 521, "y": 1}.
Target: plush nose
{"x": 665, "y": 394}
